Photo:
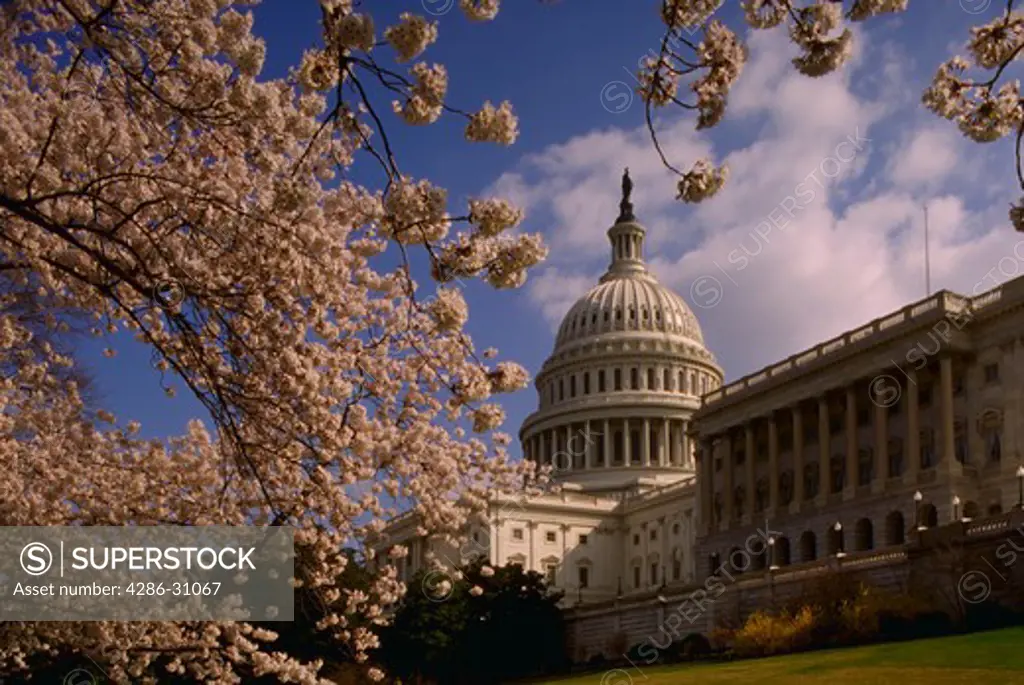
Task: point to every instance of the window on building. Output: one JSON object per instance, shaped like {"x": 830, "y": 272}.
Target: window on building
{"x": 681, "y": 383}
{"x": 838, "y": 474}
{"x": 675, "y": 529}
{"x": 677, "y": 569}
{"x": 666, "y": 381}
{"x": 561, "y": 389}
{"x": 654, "y": 574}
{"x": 636, "y": 539}
{"x": 865, "y": 466}
{"x": 634, "y": 379}
{"x": 993, "y": 445}
{"x": 582, "y": 539}
{"x": 895, "y": 458}
{"x": 927, "y": 449}
{"x": 636, "y": 577}
{"x": 618, "y": 379}
{"x": 958, "y": 384}
{"x": 572, "y": 386}
{"x": 739, "y": 457}
{"x": 960, "y": 447}
{"x": 583, "y": 574}
{"x": 586, "y": 382}
{"x": 811, "y": 481}
{"x": 600, "y": 380}
{"x": 517, "y": 533}
{"x": 991, "y": 372}
{"x": 550, "y": 536}
{"x": 650, "y": 379}
{"x": 653, "y": 535}
{"x": 551, "y": 573}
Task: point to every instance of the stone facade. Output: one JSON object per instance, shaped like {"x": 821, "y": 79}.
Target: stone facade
{"x": 839, "y": 455}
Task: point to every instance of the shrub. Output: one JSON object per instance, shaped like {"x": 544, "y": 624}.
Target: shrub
{"x": 764, "y": 634}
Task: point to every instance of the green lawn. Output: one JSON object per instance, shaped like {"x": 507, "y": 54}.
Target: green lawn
{"x": 993, "y": 658}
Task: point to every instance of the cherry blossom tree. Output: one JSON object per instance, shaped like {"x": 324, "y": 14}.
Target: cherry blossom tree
{"x": 152, "y": 181}
{"x": 971, "y": 91}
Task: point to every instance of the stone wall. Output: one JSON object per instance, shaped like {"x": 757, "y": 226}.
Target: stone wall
{"x": 962, "y": 564}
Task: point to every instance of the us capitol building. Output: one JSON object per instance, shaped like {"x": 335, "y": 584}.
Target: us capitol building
{"x": 667, "y": 477}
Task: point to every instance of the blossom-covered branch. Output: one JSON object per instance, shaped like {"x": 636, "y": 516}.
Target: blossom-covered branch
{"x": 152, "y": 181}
{"x": 985, "y": 109}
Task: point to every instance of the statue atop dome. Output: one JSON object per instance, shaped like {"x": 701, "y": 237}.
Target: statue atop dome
{"x": 625, "y": 206}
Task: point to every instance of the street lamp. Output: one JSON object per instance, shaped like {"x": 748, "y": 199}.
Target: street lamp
{"x": 956, "y": 508}
{"x": 838, "y": 528}
{"x": 1020, "y": 487}
{"x": 918, "y": 497}
{"x": 772, "y": 561}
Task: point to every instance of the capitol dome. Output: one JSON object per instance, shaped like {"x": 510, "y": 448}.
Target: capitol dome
{"x": 634, "y": 303}
{"x": 627, "y": 370}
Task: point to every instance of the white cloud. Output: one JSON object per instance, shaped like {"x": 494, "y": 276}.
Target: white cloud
{"x": 847, "y": 243}
{"x": 928, "y": 156}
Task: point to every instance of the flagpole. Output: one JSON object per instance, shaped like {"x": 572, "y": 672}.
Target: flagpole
{"x": 927, "y": 260}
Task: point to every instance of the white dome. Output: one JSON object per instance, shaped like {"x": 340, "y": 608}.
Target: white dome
{"x": 635, "y": 302}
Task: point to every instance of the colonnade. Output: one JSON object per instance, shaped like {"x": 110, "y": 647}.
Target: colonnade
{"x": 612, "y": 442}
{"x": 722, "y": 448}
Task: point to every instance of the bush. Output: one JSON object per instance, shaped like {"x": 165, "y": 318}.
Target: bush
{"x": 764, "y": 634}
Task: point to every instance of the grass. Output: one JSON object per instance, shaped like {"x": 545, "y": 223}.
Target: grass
{"x": 991, "y": 658}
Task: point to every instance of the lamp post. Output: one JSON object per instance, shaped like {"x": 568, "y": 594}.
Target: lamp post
{"x": 838, "y": 528}
{"x": 956, "y": 508}
{"x": 918, "y": 497}
{"x": 1020, "y": 487}
{"x": 772, "y": 560}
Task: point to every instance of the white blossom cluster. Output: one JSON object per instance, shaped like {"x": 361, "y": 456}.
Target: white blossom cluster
{"x": 165, "y": 189}
{"x": 426, "y": 99}
{"x": 985, "y": 109}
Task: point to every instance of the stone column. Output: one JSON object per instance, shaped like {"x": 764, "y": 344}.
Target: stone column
{"x": 727, "y": 484}
{"x": 881, "y": 448}
{"x": 607, "y": 437}
{"x": 627, "y": 447}
{"x": 948, "y": 455}
{"x": 666, "y": 548}
{"x": 706, "y": 481}
{"x": 645, "y": 540}
{"x": 912, "y": 460}
{"x": 798, "y": 459}
{"x": 685, "y": 444}
{"x": 852, "y": 446}
{"x": 665, "y": 449}
{"x": 824, "y": 447}
{"x": 589, "y": 453}
{"x": 773, "y": 464}
{"x": 645, "y": 443}
{"x": 748, "y": 447}
{"x": 570, "y": 447}
{"x": 531, "y": 552}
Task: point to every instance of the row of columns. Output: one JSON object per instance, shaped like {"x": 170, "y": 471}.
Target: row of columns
{"x": 566, "y": 445}
{"x": 947, "y": 457}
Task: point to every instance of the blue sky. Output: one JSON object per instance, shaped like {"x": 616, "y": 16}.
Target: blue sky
{"x": 849, "y": 254}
